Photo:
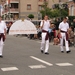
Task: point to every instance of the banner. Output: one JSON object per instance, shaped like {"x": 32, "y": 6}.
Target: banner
{"x": 22, "y": 27}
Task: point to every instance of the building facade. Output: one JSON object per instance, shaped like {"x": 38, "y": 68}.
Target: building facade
{"x": 1, "y": 6}
{"x": 71, "y": 5}
{"x": 22, "y": 8}
{"x": 11, "y": 9}
{"x": 33, "y": 7}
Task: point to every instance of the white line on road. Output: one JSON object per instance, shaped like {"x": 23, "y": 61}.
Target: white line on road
{"x": 42, "y": 61}
{"x": 64, "y": 64}
{"x": 37, "y": 66}
{"x": 9, "y": 69}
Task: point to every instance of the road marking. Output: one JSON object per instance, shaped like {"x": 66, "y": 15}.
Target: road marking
{"x": 42, "y": 61}
{"x": 9, "y": 69}
{"x": 37, "y": 66}
{"x": 64, "y": 64}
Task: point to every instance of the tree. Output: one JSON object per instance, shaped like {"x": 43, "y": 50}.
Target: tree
{"x": 57, "y": 11}
{"x": 46, "y": 10}
{"x": 45, "y": 6}
{"x": 31, "y": 16}
{"x": 64, "y": 13}
{"x": 62, "y": 9}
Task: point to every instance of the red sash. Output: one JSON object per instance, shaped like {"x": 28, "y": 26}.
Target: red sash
{"x": 2, "y": 36}
{"x": 47, "y": 35}
{"x": 66, "y": 34}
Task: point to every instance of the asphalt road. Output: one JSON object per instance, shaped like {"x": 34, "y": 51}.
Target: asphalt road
{"x": 22, "y": 56}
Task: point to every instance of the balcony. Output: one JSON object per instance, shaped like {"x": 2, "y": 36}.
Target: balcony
{"x": 14, "y": 1}
{"x": 14, "y": 10}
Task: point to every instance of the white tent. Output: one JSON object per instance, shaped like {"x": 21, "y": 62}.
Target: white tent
{"x": 23, "y": 27}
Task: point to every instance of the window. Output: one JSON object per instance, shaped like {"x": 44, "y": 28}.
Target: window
{"x": 14, "y": 5}
{"x": 28, "y": 6}
{"x": 40, "y": 7}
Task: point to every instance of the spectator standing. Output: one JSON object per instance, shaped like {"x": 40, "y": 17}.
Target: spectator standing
{"x": 74, "y": 23}
{"x": 39, "y": 31}
{"x": 71, "y": 36}
{"x": 57, "y": 23}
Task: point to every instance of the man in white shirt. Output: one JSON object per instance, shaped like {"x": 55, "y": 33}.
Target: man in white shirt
{"x": 45, "y": 25}
{"x": 63, "y": 30}
{"x": 2, "y": 35}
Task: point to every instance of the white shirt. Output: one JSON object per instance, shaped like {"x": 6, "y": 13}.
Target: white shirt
{"x": 46, "y": 25}
{"x": 2, "y": 26}
{"x": 64, "y": 26}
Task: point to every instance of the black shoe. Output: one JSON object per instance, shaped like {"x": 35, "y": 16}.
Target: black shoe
{"x": 62, "y": 51}
{"x": 1, "y": 56}
{"x": 47, "y": 53}
{"x": 68, "y": 51}
{"x": 41, "y": 51}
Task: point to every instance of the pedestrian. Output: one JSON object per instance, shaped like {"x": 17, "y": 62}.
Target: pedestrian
{"x": 56, "y": 39}
{"x": 2, "y": 35}
{"x": 71, "y": 36}
{"x": 63, "y": 30}
{"x": 74, "y": 23}
{"x": 45, "y": 25}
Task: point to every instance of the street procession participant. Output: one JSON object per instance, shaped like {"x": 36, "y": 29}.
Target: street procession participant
{"x": 3, "y": 29}
{"x": 45, "y": 25}
{"x": 63, "y": 30}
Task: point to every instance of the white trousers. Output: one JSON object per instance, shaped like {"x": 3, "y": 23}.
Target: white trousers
{"x": 44, "y": 43}
{"x": 1, "y": 46}
{"x": 66, "y": 42}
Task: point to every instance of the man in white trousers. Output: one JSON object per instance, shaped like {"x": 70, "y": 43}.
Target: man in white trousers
{"x": 63, "y": 30}
{"x": 45, "y": 25}
{"x": 2, "y": 35}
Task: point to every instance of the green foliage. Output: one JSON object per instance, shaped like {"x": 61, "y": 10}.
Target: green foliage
{"x": 71, "y": 18}
{"x": 57, "y": 6}
{"x": 31, "y": 16}
{"x": 57, "y": 11}
{"x": 45, "y": 4}
{"x": 47, "y": 11}
{"x": 64, "y": 13}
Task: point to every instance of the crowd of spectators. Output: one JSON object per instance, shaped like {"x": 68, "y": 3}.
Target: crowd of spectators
{"x": 53, "y": 32}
